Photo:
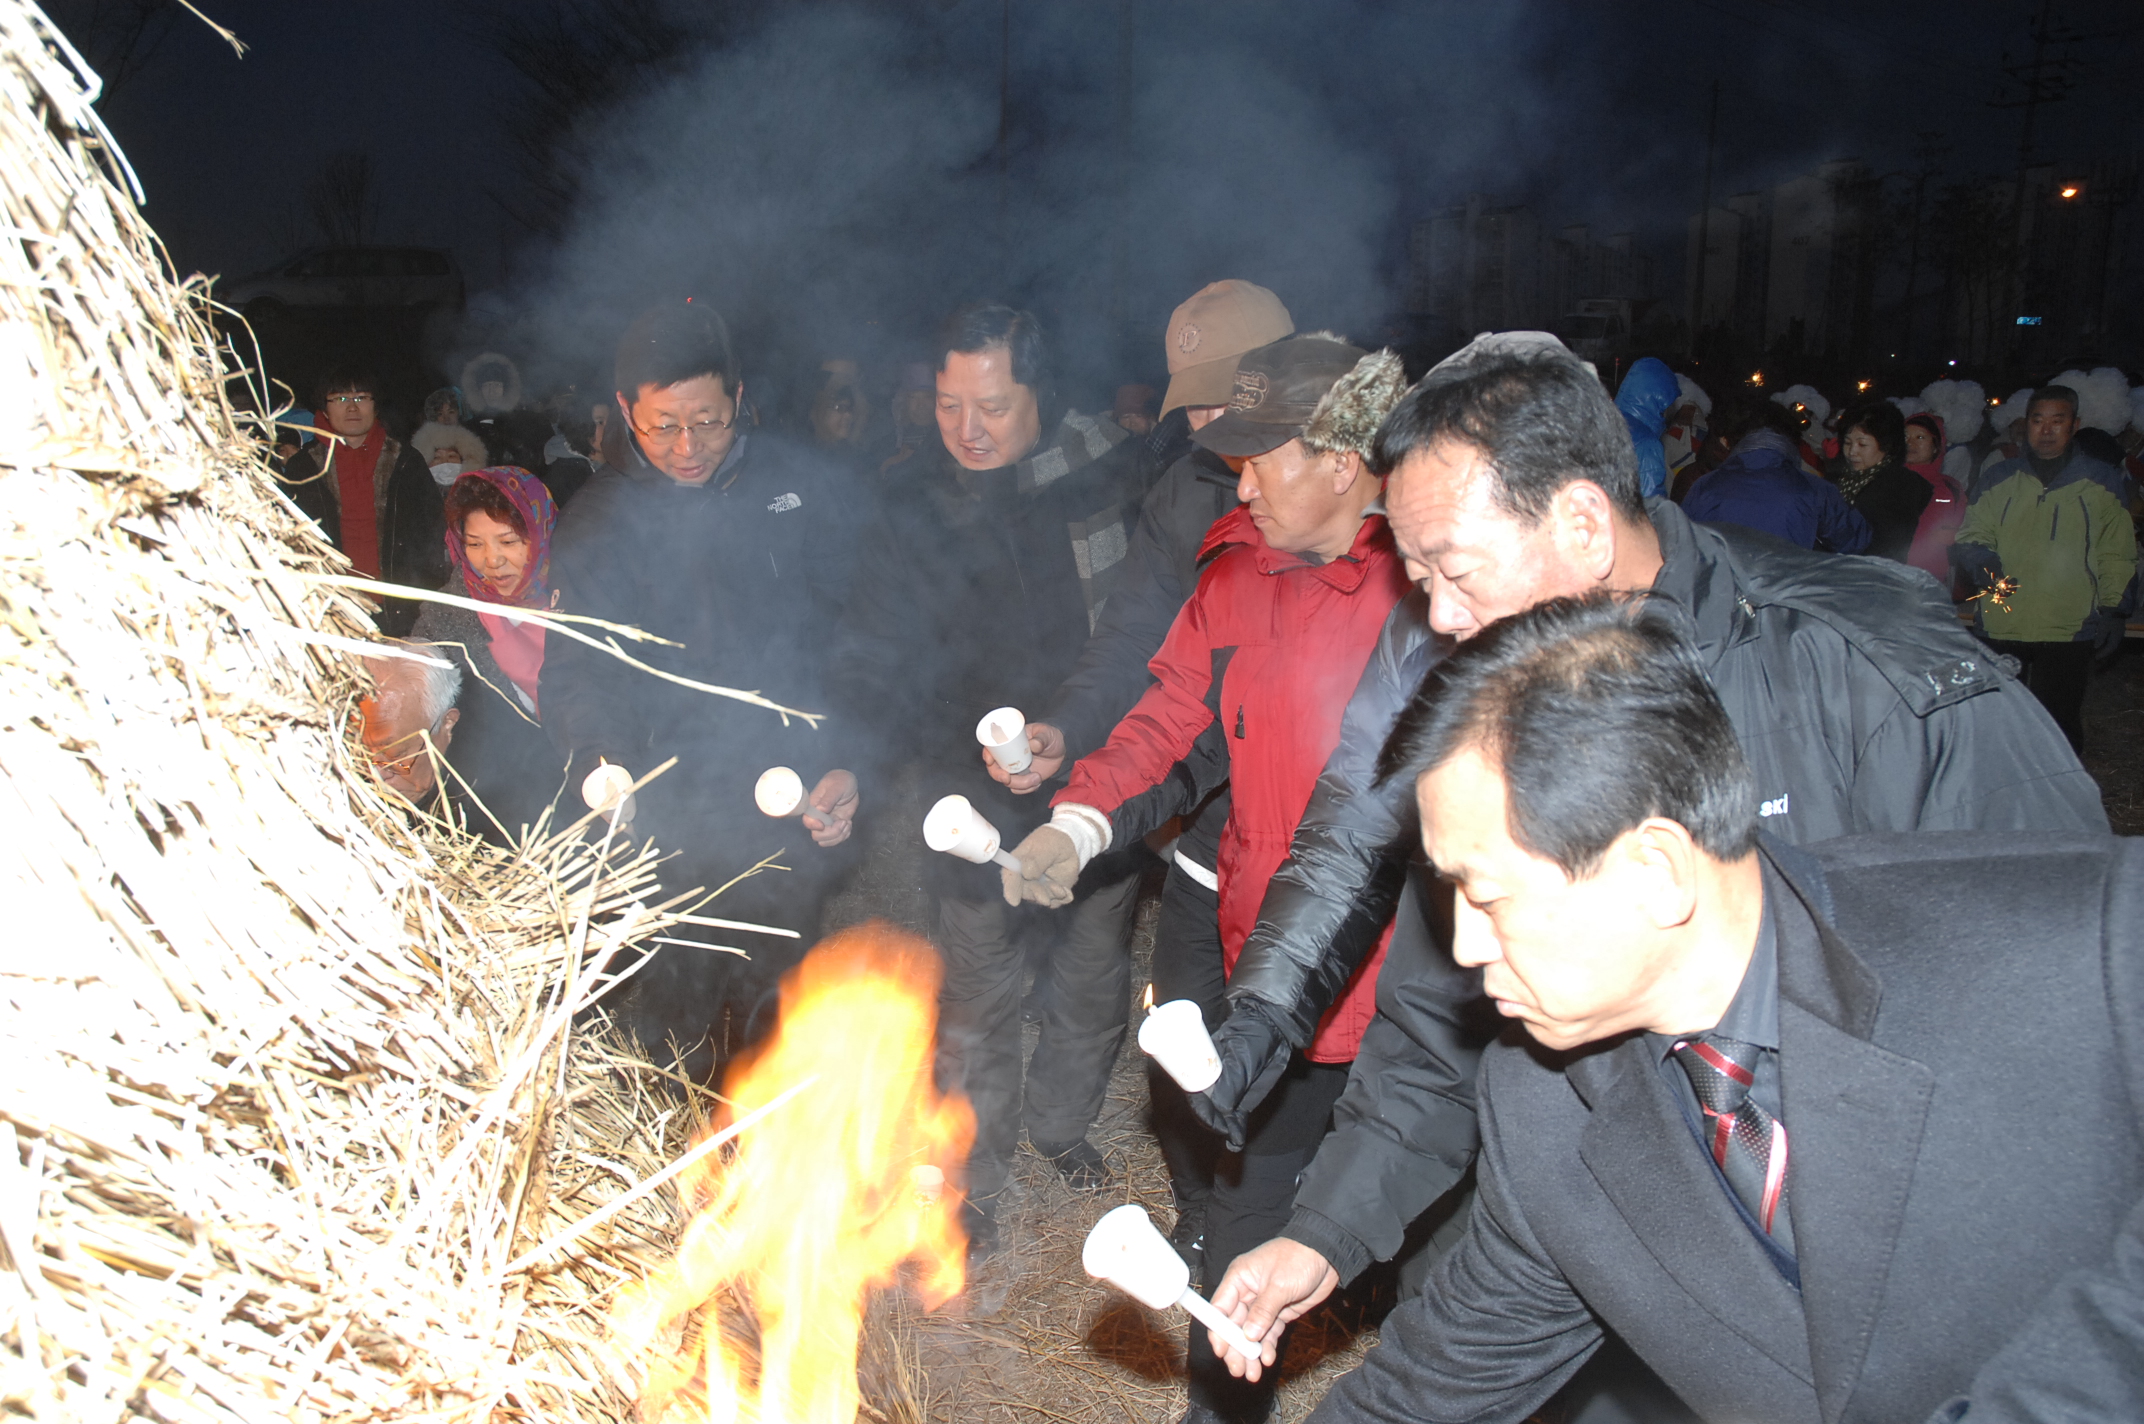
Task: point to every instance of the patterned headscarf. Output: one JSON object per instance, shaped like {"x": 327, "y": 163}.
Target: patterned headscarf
{"x": 538, "y": 514}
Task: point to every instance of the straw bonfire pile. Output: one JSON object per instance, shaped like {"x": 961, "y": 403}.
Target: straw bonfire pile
{"x": 290, "y": 1087}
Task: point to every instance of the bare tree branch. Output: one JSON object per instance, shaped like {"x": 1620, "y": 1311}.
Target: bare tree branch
{"x": 341, "y": 198}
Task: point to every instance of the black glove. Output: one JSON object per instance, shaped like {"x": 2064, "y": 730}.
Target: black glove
{"x": 2107, "y": 631}
{"x": 1254, "y": 1053}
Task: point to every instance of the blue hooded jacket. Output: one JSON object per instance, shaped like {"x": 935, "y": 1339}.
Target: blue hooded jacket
{"x": 1762, "y": 486}
{"x": 1649, "y": 392}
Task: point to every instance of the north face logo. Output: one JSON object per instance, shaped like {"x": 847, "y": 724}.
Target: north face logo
{"x": 787, "y": 501}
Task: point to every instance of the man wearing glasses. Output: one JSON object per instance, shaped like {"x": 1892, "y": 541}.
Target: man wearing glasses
{"x": 372, "y": 495}
{"x": 727, "y": 541}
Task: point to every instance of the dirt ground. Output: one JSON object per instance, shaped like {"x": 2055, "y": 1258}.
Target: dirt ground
{"x": 2114, "y": 738}
{"x": 1034, "y": 1338}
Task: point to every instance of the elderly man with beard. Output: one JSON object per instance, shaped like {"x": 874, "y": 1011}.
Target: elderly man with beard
{"x": 1861, "y": 703}
{"x": 979, "y": 591}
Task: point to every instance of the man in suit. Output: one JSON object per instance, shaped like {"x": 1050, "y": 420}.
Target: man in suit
{"x": 1844, "y": 1133}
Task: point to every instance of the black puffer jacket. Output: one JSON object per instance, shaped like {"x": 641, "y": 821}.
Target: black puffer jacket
{"x": 1862, "y": 706}
{"x": 978, "y": 592}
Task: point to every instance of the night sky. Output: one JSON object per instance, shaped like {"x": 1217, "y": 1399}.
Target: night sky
{"x": 838, "y": 158}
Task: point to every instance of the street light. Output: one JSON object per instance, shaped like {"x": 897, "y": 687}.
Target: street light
{"x": 2072, "y": 191}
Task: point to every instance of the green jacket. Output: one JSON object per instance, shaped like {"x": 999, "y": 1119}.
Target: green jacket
{"x": 2069, "y": 544}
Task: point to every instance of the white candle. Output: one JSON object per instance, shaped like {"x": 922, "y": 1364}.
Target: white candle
{"x": 609, "y": 790}
{"x": 1004, "y": 732}
{"x": 1126, "y": 1249}
{"x": 955, "y": 827}
{"x": 1174, "y": 1035}
{"x": 779, "y": 792}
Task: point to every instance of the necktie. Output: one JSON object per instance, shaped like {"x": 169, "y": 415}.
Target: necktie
{"x": 1748, "y": 1143}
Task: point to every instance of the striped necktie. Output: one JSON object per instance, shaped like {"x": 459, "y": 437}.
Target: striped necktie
{"x": 1748, "y": 1143}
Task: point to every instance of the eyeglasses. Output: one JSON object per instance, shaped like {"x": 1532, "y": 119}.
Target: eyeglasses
{"x": 349, "y": 400}
{"x": 400, "y": 768}
{"x": 427, "y": 746}
{"x": 663, "y": 436}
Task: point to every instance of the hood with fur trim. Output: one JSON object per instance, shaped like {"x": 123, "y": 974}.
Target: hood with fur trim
{"x": 432, "y": 435}
{"x": 2102, "y": 397}
{"x": 1811, "y": 399}
{"x": 1962, "y": 406}
{"x": 482, "y": 369}
{"x": 1692, "y": 393}
{"x": 2002, "y": 417}
{"x": 1348, "y": 415}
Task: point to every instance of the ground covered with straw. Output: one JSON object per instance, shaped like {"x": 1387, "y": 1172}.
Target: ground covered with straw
{"x": 1033, "y": 1337}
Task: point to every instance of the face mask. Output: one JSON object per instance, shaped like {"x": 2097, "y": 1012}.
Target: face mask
{"x": 446, "y": 474}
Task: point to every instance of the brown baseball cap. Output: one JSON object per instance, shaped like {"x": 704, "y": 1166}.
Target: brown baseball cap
{"x": 1207, "y": 334}
{"x": 1275, "y": 392}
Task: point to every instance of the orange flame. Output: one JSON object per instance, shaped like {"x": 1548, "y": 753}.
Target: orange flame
{"x": 757, "y": 1320}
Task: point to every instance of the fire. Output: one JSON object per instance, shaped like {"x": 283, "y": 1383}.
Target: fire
{"x": 757, "y": 1320}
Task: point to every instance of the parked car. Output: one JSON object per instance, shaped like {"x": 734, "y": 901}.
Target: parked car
{"x": 413, "y": 277}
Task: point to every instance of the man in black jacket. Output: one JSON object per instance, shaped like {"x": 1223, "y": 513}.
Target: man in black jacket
{"x": 1846, "y": 1133}
{"x": 723, "y": 541}
{"x": 372, "y": 495}
{"x": 1860, "y": 702}
{"x": 978, "y": 591}
{"x": 1205, "y": 337}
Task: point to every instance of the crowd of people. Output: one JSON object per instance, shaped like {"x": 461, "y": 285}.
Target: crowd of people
{"x": 1549, "y": 785}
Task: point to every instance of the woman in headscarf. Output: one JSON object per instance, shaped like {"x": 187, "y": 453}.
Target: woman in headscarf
{"x": 1871, "y": 473}
{"x": 1938, "y": 527}
{"x": 499, "y": 524}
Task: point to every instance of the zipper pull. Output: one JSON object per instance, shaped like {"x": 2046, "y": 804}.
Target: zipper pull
{"x": 1239, "y": 721}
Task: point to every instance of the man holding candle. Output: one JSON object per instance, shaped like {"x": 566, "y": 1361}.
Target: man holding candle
{"x": 1861, "y": 703}
{"x": 1295, "y": 585}
{"x": 1205, "y": 338}
{"x": 1846, "y": 1132}
{"x": 978, "y": 592}
{"x": 721, "y": 539}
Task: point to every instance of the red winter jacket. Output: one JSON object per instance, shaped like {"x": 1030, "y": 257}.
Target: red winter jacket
{"x": 1288, "y": 640}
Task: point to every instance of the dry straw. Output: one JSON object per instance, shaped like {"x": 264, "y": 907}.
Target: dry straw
{"x": 289, "y": 1081}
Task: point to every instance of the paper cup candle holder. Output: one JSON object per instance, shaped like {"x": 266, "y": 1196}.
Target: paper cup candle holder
{"x": 1127, "y": 1251}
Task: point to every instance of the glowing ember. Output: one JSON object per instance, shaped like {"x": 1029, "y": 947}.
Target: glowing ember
{"x": 757, "y": 1320}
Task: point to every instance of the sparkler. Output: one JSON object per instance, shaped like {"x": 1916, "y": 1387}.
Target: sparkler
{"x": 1998, "y": 594}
